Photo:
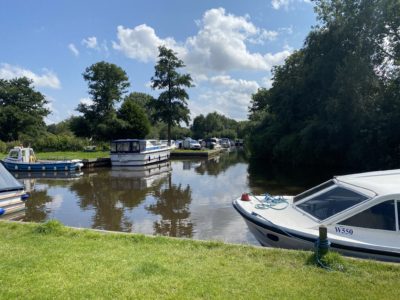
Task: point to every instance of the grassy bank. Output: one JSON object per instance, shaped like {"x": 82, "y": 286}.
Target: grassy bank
{"x": 72, "y": 155}
{"x": 51, "y": 261}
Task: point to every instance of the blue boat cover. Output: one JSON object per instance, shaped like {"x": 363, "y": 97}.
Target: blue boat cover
{"x": 8, "y": 182}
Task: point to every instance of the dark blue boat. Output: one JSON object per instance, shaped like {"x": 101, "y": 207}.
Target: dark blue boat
{"x": 24, "y": 159}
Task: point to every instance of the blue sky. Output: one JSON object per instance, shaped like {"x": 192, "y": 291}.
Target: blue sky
{"x": 228, "y": 46}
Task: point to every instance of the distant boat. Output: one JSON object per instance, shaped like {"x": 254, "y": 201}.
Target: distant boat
{"x": 12, "y": 193}
{"x": 360, "y": 211}
{"x": 135, "y": 152}
{"x": 24, "y": 159}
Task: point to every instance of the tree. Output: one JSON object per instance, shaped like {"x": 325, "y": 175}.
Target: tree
{"x": 334, "y": 100}
{"x": 134, "y": 122}
{"x": 171, "y": 106}
{"x": 145, "y": 102}
{"x": 107, "y": 83}
{"x": 214, "y": 125}
{"x": 22, "y": 109}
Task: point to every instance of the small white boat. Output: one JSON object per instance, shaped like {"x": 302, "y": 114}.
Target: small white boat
{"x": 360, "y": 211}
{"x": 134, "y": 152}
{"x": 12, "y": 193}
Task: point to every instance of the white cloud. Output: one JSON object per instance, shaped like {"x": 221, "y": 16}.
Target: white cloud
{"x": 73, "y": 49}
{"x": 219, "y": 45}
{"x": 285, "y": 4}
{"x": 47, "y": 79}
{"x": 225, "y": 95}
{"x": 90, "y": 42}
{"x": 141, "y": 42}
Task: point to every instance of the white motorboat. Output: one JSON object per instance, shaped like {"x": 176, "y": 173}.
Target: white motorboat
{"x": 134, "y": 152}
{"x": 361, "y": 212}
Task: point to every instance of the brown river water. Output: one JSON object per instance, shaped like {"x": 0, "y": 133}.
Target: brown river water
{"x": 180, "y": 198}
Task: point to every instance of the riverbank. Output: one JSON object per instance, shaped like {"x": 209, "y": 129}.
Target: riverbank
{"x": 51, "y": 261}
{"x": 204, "y": 153}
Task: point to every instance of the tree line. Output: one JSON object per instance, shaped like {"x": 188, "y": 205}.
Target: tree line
{"x": 336, "y": 101}
{"x": 139, "y": 115}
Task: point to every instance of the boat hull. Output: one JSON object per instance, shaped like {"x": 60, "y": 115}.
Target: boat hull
{"x": 139, "y": 159}
{"x": 43, "y": 166}
{"x": 270, "y": 235}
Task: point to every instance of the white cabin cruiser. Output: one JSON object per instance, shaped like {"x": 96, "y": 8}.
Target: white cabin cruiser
{"x": 360, "y": 211}
{"x": 134, "y": 152}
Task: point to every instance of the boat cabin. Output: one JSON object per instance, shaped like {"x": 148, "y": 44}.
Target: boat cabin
{"x": 20, "y": 154}
{"x": 370, "y": 201}
{"x": 135, "y": 145}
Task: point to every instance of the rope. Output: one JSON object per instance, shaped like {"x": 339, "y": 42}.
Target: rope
{"x": 317, "y": 246}
{"x": 271, "y": 202}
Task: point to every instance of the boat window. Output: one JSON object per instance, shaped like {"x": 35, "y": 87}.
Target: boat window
{"x": 331, "y": 202}
{"x": 135, "y": 147}
{"x": 13, "y": 154}
{"x": 380, "y": 216}
{"x": 123, "y": 147}
{"x": 113, "y": 147}
{"x": 314, "y": 190}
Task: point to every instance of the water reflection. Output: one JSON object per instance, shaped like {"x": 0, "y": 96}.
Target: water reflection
{"x": 172, "y": 205}
{"x": 182, "y": 198}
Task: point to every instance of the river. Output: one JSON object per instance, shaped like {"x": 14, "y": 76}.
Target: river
{"x": 180, "y": 198}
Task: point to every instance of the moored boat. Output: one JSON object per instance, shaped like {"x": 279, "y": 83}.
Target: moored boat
{"x": 12, "y": 193}
{"x": 24, "y": 159}
{"x": 135, "y": 152}
{"x": 361, "y": 213}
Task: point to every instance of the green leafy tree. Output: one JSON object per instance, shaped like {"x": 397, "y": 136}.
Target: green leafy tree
{"x": 214, "y": 125}
{"x": 107, "y": 83}
{"x": 22, "y": 109}
{"x": 145, "y": 102}
{"x": 335, "y": 99}
{"x": 133, "y": 121}
{"x": 171, "y": 105}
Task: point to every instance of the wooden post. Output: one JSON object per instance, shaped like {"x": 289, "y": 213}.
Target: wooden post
{"x": 323, "y": 243}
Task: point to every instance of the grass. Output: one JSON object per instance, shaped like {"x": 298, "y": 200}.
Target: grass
{"x": 49, "y": 261}
{"x": 72, "y": 155}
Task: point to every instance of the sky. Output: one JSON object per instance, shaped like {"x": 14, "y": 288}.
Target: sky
{"x": 228, "y": 47}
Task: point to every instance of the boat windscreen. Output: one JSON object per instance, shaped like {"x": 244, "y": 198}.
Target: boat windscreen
{"x": 313, "y": 190}
{"x": 8, "y": 182}
{"x": 331, "y": 202}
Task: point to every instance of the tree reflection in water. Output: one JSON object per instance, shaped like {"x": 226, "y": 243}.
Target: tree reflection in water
{"x": 109, "y": 195}
{"x": 218, "y": 164}
{"x": 172, "y": 204}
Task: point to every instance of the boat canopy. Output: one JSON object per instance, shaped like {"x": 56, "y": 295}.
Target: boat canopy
{"x": 8, "y": 182}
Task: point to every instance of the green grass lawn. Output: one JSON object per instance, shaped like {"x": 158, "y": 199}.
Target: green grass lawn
{"x": 50, "y": 261}
{"x": 72, "y": 155}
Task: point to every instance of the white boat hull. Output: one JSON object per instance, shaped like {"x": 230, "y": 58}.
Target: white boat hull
{"x": 139, "y": 159}
{"x": 271, "y": 235}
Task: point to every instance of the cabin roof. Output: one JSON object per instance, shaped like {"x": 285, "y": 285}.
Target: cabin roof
{"x": 380, "y": 182}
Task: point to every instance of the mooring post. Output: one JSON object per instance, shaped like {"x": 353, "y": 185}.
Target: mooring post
{"x": 323, "y": 242}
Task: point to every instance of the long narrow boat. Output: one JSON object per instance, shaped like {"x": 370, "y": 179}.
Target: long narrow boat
{"x": 12, "y": 193}
{"x": 360, "y": 211}
{"x": 135, "y": 152}
{"x": 24, "y": 159}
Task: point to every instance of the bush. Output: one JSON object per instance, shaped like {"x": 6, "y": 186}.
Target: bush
{"x": 3, "y": 147}
{"x": 53, "y": 142}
